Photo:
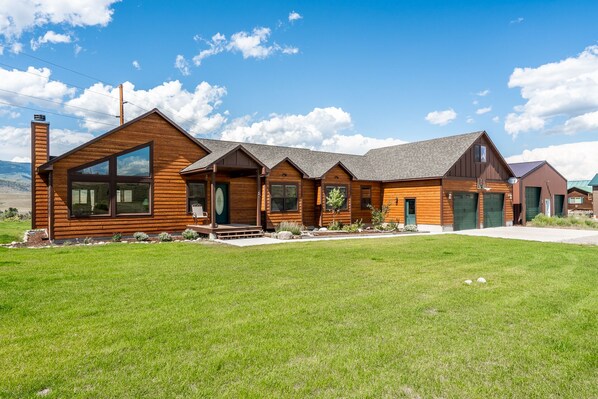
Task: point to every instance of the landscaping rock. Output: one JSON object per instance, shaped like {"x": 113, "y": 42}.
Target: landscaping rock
{"x": 285, "y": 235}
{"x": 482, "y": 280}
{"x": 44, "y": 392}
{"x": 323, "y": 229}
{"x": 468, "y": 282}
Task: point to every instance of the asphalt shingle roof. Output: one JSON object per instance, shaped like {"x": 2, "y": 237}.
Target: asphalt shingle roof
{"x": 418, "y": 160}
{"x": 523, "y": 168}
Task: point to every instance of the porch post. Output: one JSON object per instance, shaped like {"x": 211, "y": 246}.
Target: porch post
{"x": 213, "y": 198}
{"x": 258, "y": 213}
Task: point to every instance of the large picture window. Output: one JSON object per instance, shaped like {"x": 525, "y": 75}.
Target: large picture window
{"x": 196, "y": 194}
{"x": 343, "y": 190}
{"x": 117, "y": 185}
{"x": 284, "y": 197}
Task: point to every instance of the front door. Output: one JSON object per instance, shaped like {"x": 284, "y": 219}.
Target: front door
{"x": 410, "y": 211}
{"x": 221, "y": 203}
{"x": 547, "y": 209}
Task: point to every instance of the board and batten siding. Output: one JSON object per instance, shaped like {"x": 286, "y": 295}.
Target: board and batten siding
{"x": 172, "y": 151}
{"x": 492, "y": 169}
{"x": 282, "y": 173}
{"x": 336, "y": 176}
{"x": 427, "y": 200}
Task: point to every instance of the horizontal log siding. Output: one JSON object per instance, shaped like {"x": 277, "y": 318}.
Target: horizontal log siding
{"x": 310, "y": 209}
{"x": 242, "y": 198}
{"x": 283, "y": 173}
{"x": 172, "y": 152}
{"x": 336, "y": 176}
{"x": 470, "y": 186}
{"x": 40, "y": 182}
{"x": 364, "y": 214}
{"x": 427, "y": 200}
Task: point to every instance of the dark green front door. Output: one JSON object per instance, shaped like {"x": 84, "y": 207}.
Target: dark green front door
{"x": 465, "y": 211}
{"x": 532, "y": 202}
{"x": 221, "y": 203}
{"x": 493, "y": 209}
{"x": 410, "y": 211}
{"x": 559, "y": 203}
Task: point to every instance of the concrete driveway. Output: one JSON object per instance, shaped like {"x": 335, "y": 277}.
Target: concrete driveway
{"x": 537, "y": 234}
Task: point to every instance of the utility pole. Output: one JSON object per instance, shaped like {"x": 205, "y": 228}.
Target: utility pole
{"x": 121, "y": 104}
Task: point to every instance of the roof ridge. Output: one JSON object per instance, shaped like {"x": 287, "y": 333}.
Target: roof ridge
{"x": 460, "y": 135}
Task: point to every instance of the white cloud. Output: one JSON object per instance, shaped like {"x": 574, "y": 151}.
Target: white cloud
{"x": 21, "y": 159}
{"x": 566, "y": 89}
{"x": 33, "y": 82}
{"x": 441, "y": 118}
{"x": 182, "y": 65}
{"x": 15, "y": 142}
{"x": 483, "y": 93}
{"x": 136, "y": 65}
{"x": 16, "y": 47}
{"x": 320, "y": 129}
{"x": 294, "y": 16}
{"x": 17, "y": 16}
{"x": 470, "y": 120}
{"x": 77, "y": 49}
{"x": 517, "y": 21}
{"x": 217, "y": 46}
{"x": 50, "y": 37}
{"x": 475, "y": 102}
{"x": 575, "y": 161}
{"x": 482, "y": 111}
{"x": 496, "y": 119}
{"x": 289, "y": 50}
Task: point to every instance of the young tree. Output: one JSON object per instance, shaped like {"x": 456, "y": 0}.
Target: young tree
{"x": 335, "y": 201}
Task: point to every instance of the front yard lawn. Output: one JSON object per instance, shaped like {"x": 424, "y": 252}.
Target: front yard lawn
{"x": 357, "y": 318}
{"x": 13, "y": 230}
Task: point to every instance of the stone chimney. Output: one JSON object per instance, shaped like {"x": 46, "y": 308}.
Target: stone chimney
{"x": 40, "y": 154}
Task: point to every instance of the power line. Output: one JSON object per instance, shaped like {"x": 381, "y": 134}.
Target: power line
{"x": 59, "y": 103}
{"x": 57, "y": 113}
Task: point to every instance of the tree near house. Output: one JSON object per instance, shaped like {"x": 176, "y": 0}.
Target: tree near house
{"x": 334, "y": 202}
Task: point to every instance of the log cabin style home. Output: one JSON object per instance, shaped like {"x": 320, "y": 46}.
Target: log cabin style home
{"x": 579, "y": 197}
{"x": 146, "y": 174}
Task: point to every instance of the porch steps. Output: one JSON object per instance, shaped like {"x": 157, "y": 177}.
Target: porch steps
{"x": 231, "y": 235}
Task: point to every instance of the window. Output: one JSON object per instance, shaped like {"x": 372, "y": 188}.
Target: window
{"x": 366, "y": 197}
{"x": 196, "y": 194}
{"x": 343, "y": 190}
{"x": 117, "y": 185}
{"x": 480, "y": 153}
{"x": 283, "y": 197}
{"x": 576, "y": 200}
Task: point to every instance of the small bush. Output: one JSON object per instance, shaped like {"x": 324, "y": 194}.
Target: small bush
{"x": 379, "y": 215}
{"x": 164, "y": 237}
{"x": 88, "y": 240}
{"x": 117, "y": 237}
{"x": 67, "y": 243}
{"x": 335, "y": 225}
{"x": 354, "y": 227}
{"x": 141, "y": 236}
{"x": 410, "y": 228}
{"x": 293, "y": 227}
{"x": 190, "y": 234}
{"x": 581, "y": 222}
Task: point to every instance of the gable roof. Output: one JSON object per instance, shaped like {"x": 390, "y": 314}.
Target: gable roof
{"x": 583, "y": 185}
{"x": 48, "y": 165}
{"x": 522, "y": 169}
{"x": 594, "y": 181}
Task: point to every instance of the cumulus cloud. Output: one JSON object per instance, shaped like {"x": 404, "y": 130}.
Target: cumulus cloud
{"x": 294, "y": 16}
{"x": 496, "y": 119}
{"x": 50, "y": 37}
{"x": 17, "y": 16}
{"x": 216, "y": 46}
{"x": 136, "y": 65}
{"x": 483, "y": 93}
{"x": 441, "y": 118}
{"x": 34, "y": 82}
{"x": 575, "y": 161}
{"x": 321, "y": 129}
{"x": 564, "y": 90}
{"x": 469, "y": 120}
{"x": 182, "y": 65}
{"x": 482, "y": 111}
{"x": 15, "y": 142}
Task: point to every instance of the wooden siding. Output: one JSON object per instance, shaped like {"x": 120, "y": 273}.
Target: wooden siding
{"x": 493, "y": 169}
{"x": 594, "y": 194}
{"x": 470, "y": 186}
{"x": 336, "y": 176}
{"x": 311, "y": 210}
{"x": 283, "y": 173}
{"x": 39, "y": 187}
{"x": 364, "y": 214}
{"x": 242, "y": 198}
{"x": 172, "y": 151}
{"x": 427, "y": 200}
{"x": 587, "y": 204}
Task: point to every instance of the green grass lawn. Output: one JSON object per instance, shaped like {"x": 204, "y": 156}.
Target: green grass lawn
{"x": 358, "y": 318}
{"x": 13, "y": 230}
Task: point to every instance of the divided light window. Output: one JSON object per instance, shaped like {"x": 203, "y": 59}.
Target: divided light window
{"x": 366, "y": 196}
{"x": 196, "y": 194}
{"x": 343, "y": 190}
{"x": 480, "y": 153}
{"x": 284, "y": 197}
{"x": 117, "y": 185}
{"x": 576, "y": 200}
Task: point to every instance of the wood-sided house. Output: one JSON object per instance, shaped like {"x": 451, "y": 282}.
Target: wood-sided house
{"x": 146, "y": 174}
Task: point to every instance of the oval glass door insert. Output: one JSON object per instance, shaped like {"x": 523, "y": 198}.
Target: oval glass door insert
{"x": 219, "y": 201}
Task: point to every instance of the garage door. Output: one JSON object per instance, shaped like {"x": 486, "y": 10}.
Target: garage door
{"x": 559, "y": 204}
{"x": 532, "y": 202}
{"x": 465, "y": 211}
{"x": 493, "y": 209}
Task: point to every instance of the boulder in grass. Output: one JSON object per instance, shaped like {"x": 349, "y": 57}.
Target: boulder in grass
{"x": 482, "y": 280}
{"x": 285, "y": 235}
{"x": 468, "y": 282}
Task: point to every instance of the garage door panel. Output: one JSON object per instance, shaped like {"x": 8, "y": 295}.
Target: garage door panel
{"x": 532, "y": 202}
{"x": 493, "y": 209}
{"x": 465, "y": 211}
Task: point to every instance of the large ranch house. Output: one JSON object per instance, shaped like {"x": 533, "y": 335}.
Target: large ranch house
{"x": 147, "y": 174}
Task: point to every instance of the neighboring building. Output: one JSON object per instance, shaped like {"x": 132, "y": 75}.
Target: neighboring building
{"x": 594, "y": 184}
{"x": 145, "y": 174}
{"x": 579, "y": 197}
{"x": 540, "y": 189}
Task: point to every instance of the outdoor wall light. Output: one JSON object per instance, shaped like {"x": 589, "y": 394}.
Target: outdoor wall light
{"x": 396, "y": 200}
{"x": 450, "y": 196}
{"x": 510, "y": 196}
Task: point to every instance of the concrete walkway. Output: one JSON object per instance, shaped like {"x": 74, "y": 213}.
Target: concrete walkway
{"x": 541, "y": 234}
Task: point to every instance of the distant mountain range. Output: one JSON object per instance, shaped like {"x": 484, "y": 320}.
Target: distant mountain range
{"x": 15, "y": 176}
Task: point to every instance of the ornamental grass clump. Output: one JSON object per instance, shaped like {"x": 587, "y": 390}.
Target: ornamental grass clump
{"x": 189, "y": 234}
{"x": 164, "y": 237}
{"x": 140, "y": 236}
{"x": 294, "y": 227}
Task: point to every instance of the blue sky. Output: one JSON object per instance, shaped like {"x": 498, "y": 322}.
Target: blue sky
{"x": 339, "y": 76}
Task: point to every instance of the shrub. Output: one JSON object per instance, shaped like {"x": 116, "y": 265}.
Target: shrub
{"x": 354, "y": 227}
{"x": 542, "y": 220}
{"x": 190, "y": 234}
{"x": 67, "y": 243}
{"x": 164, "y": 237}
{"x": 335, "y": 201}
{"x": 293, "y": 227}
{"x": 117, "y": 237}
{"x": 379, "y": 215}
{"x": 141, "y": 236}
{"x": 410, "y": 227}
{"x": 88, "y": 240}
{"x": 335, "y": 225}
